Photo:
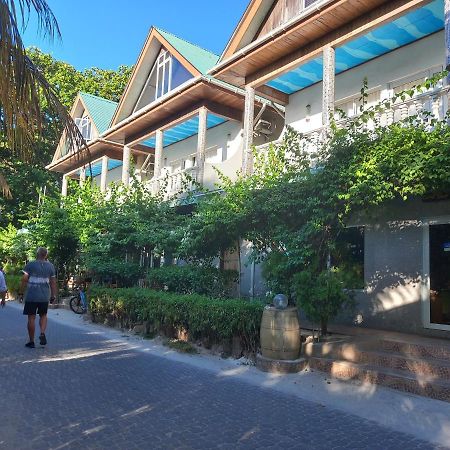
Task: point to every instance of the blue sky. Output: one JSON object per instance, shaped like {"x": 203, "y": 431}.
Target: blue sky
{"x": 107, "y": 33}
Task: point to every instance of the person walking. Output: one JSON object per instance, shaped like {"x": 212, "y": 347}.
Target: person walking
{"x": 39, "y": 285}
{"x": 3, "y": 288}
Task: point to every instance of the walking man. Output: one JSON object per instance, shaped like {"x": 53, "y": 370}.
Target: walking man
{"x": 39, "y": 280}
{"x": 3, "y": 288}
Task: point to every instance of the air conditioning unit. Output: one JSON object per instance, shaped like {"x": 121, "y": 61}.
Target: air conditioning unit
{"x": 263, "y": 127}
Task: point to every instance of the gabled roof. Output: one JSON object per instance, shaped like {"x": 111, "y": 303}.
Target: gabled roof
{"x": 248, "y": 26}
{"x": 196, "y": 60}
{"x": 100, "y": 110}
{"x": 200, "y": 58}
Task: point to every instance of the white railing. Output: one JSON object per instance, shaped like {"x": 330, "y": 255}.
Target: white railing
{"x": 176, "y": 183}
{"x": 435, "y": 102}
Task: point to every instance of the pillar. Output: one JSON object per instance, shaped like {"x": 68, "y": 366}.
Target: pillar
{"x": 201, "y": 143}
{"x": 104, "y": 173}
{"x": 447, "y": 36}
{"x": 159, "y": 145}
{"x": 158, "y": 153}
{"x": 82, "y": 175}
{"x": 126, "y": 165}
{"x": 328, "y": 85}
{"x": 64, "y": 186}
{"x": 249, "y": 117}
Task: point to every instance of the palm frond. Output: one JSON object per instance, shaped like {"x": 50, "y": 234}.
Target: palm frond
{"x": 23, "y": 88}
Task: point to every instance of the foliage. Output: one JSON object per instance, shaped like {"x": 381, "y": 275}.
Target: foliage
{"x": 321, "y": 296}
{"x": 202, "y": 317}
{"x": 23, "y": 87}
{"x": 13, "y": 284}
{"x": 68, "y": 81}
{"x": 28, "y": 180}
{"x": 111, "y": 236}
{"x": 295, "y": 205}
{"x": 181, "y": 346}
{"x": 192, "y": 279}
{"x": 16, "y": 248}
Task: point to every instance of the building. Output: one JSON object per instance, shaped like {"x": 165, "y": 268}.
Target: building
{"x": 292, "y": 62}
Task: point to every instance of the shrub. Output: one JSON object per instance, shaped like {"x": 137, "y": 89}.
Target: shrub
{"x": 192, "y": 279}
{"x": 13, "y": 284}
{"x": 321, "y": 296}
{"x": 216, "y": 320}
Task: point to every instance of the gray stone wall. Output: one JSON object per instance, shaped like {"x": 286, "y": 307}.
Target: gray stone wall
{"x": 393, "y": 267}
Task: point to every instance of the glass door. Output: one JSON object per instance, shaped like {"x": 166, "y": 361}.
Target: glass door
{"x": 439, "y": 274}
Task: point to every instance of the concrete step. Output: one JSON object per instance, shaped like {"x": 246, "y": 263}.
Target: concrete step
{"x": 439, "y": 349}
{"x": 358, "y": 352}
{"x": 427, "y": 386}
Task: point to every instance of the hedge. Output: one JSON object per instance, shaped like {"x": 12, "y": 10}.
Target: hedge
{"x": 216, "y": 320}
{"x": 13, "y": 284}
{"x": 192, "y": 279}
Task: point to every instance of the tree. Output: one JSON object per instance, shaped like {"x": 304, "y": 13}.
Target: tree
{"x": 22, "y": 84}
{"x": 27, "y": 180}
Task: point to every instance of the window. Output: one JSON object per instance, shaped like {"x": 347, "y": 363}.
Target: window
{"x": 351, "y": 106}
{"x": 309, "y": 3}
{"x": 84, "y": 125}
{"x": 166, "y": 74}
{"x": 409, "y": 82}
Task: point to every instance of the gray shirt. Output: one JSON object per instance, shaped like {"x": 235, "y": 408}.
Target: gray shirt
{"x": 39, "y": 273}
{"x": 3, "y": 287}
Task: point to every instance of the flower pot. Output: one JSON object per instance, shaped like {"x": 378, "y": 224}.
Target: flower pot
{"x": 280, "y": 333}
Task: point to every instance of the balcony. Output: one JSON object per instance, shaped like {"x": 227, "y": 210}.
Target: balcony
{"x": 435, "y": 102}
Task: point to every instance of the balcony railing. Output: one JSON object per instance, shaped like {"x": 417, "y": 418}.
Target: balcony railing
{"x": 436, "y": 102}
{"x": 174, "y": 183}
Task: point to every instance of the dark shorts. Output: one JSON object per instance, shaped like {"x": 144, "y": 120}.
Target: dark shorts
{"x": 30, "y": 308}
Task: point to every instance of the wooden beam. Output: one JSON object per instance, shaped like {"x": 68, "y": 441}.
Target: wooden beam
{"x": 249, "y": 115}
{"x": 201, "y": 143}
{"x": 272, "y": 94}
{"x": 226, "y": 112}
{"x": 387, "y": 12}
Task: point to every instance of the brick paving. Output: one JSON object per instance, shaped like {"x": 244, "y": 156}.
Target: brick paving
{"x": 85, "y": 391}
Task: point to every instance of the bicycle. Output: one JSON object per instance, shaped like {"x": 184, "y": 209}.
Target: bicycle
{"x": 78, "y": 303}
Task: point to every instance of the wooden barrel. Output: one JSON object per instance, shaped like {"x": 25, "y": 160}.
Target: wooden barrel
{"x": 280, "y": 333}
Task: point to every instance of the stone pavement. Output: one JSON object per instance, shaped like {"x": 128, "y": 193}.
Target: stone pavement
{"x": 87, "y": 391}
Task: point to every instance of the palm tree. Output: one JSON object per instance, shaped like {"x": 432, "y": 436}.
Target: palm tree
{"x": 23, "y": 88}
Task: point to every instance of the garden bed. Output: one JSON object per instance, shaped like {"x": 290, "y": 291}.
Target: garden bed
{"x": 232, "y": 324}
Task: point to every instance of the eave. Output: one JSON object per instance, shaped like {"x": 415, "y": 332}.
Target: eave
{"x": 331, "y": 22}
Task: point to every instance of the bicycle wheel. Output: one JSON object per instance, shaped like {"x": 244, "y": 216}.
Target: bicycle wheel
{"x": 76, "y": 305}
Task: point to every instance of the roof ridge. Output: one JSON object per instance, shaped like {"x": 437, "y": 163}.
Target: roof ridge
{"x": 97, "y": 96}
{"x": 188, "y": 42}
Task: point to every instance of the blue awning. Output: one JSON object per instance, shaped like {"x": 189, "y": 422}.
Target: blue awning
{"x": 97, "y": 167}
{"x": 411, "y": 27}
{"x": 184, "y": 130}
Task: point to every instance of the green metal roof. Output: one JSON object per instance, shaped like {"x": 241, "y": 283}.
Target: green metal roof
{"x": 200, "y": 58}
{"x": 100, "y": 110}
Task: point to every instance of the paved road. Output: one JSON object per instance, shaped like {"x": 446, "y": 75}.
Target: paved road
{"x": 85, "y": 391}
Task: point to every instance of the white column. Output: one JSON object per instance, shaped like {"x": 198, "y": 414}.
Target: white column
{"x": 328, "y": 85}
{"x": 201, "y": 143}
{"x": 104, "y": 173}
{"x": 126, "y": 165}
{"x": 159, "y": 145}
{"x": 249, "y": 117}
{"x": 64, "y": 186}
{"x": 82, "y": 175}
{"x": 447, "y": 36}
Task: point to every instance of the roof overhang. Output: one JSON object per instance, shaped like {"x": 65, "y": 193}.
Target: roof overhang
{"x": 330, "y": 22}
{"x": 177, "y": 106}
{"x": 221, "y": 99}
